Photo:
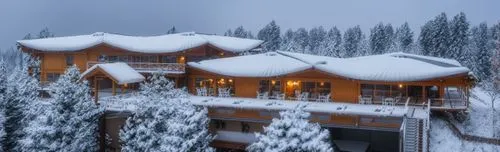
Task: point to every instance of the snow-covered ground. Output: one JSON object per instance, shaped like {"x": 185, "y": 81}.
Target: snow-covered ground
{"x": 480, "y": 121}
{"x": 442, "y": 139}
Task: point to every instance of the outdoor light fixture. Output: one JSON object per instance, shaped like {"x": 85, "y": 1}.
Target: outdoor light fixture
{"x": 230, "y": 80}
{"x": 400, "y": 85}
{"x": 322, "y": 83}
{"x": 273, "y": 82}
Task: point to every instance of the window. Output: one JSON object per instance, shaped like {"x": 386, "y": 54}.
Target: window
{"x": 263, "y": 86}
{"x": 382, "y": 91}
{"x": 168, "y": 59}
{"x": 219, "y": 124}
{"x": 398, "y": 90}
{"x": 245, "y": 127}
{"x": 432, "y": 91}
{"x": 52, "y": 77}
{"x": 70, "y": 60}
{"x": 367, "y": 90}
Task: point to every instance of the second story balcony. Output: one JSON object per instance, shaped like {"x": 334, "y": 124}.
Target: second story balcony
{"x": 148, "y": 67}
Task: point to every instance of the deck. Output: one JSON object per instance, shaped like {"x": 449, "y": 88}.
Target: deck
{"x": 149, "y": 67}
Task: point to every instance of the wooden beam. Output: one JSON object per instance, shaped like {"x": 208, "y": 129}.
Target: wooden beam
{"x": 114, "y": 88}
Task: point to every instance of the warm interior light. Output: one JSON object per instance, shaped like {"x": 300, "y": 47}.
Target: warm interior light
{"x": 289, "y": 83}
{"x": 400, "y": 85}
{"x": 322, "y": 84}
{"x": 230, "y": 80}
{"x": 125, "y": 84}
{"x": 296, "y": 83}
{"x": 221, "y": 54}
{"x": 273, "y": 82}
{"x": 182, "y": 58}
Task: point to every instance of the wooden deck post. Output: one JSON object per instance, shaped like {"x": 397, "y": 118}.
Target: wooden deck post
{"x": 96, "y": 90}
{"x": 114, "y": 87}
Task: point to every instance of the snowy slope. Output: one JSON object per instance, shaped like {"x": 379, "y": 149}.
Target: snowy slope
{"x": 144, "y": 44}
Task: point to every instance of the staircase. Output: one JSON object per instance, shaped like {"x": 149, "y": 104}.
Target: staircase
{"x": 412, "y": 138}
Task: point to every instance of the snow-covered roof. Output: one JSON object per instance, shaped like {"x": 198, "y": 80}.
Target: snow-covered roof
{"x": 386, "y": 67}
{"x": 393, "y": 67}
{"x": 260, "y": 65}
{"x": 121, "y": 72}
{"x": 340, "y": 108}
{"x": 143, "y": 44}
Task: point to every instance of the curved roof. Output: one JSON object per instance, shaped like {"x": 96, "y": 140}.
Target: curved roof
{"x": 144, "y": 44}
{"x": 394, "y": 67}
{"x": 269, "y": 64}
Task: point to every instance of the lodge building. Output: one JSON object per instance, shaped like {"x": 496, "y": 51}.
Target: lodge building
{"x": 379, "y": 102}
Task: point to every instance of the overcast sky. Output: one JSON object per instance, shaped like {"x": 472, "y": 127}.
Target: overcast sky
{"x": 153, "y": 17}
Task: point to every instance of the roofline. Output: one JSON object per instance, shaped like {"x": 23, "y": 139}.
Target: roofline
{"x": 20, "y": 43}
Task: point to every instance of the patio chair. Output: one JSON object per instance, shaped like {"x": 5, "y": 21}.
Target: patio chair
{"x": 388, "y": 101}
{"x": 304, "y": 96}
{"x": 323, "y": 98}
{"x": 263, "y": 95}
{"x": 280, "y": 96}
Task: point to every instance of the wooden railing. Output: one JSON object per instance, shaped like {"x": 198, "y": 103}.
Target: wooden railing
{"x": 150, "y": 67}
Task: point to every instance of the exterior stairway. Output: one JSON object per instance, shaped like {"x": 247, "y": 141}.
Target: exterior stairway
{"x": 412, "y": 138}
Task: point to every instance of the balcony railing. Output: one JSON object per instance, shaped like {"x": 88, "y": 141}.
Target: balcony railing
{"x": 176, "y": 68}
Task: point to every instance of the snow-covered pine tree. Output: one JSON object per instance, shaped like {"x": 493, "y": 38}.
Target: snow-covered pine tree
{"x": 71, "y": 123}
{"x": 459, "y": 37}
{"x": 3, "y": 94}
{"x": 301, "y": 39}
{"x": 292, "y": 132}
{"x": 404, "y": 38}
{"x": 287, "y": 41}
{"x": 240, "y": 32}
{"x": 434, "y": 37}
{"x": 172, "y": 30}
{"x": 331, "y": 46}
{"x": 228, "y": 33}
{"x": 352, "y": 41}
{"x": 317, "y": 37}
{"x": 270, "y": 34}
{"x": 19, "y": 107}
{"x": 158, "y": 84}
{"x": 480, "y": 42}
{"x": 45, "y": 33}
{"x": 381, "y": 38}
{"x": 166, "y": 123}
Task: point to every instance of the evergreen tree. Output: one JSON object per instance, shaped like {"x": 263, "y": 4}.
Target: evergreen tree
{"x": 459, "y": 28}
{"x": 481, "y": 50}
{"x": 292, "y": 132}
{"x": 404, "y": 37}
{"x": 228, "y": 33}
{"x": 317, "y": 37}
{"x": 271, "y": 36}
{"x": 288, "y": 42}
{"x": 172, "y": 30}
{"x": 381, "y": 38}
{"x": 71, "y": 123}
{"x": 353, "y": 39}
{"x": 240, "y": 32}
{"x": 331, "y": 46}
{"x": 45, "y": 33}
{"x": 301, "y": 39}
{"x": 3, "y": 94}
{"x": 434, "y": 37}
{"x": 22, "y": 93}
{"x": 166, "y": 121}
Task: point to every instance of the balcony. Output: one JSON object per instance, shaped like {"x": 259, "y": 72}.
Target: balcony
{"x": 148, "y": 67}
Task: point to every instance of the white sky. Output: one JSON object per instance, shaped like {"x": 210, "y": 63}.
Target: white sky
{"x": 153, "y": 17}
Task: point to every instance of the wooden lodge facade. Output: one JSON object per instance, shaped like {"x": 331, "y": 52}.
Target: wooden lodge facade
{"x": 209, "y": 67}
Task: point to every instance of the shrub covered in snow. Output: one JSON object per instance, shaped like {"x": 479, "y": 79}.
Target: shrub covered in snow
{"x": 292, "y": 132}
{"x": 70, "y": 122}
{"x": 165, "y": 121}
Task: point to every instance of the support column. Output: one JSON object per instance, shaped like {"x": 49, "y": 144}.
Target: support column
{"x": 102, "y": 133}
{"x": 114, "y": 87}
{"x": 423, "y": 95}
{"x": 96, "y": 90}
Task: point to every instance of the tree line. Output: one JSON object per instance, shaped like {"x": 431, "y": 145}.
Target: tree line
{"x": 474, "y": 46}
